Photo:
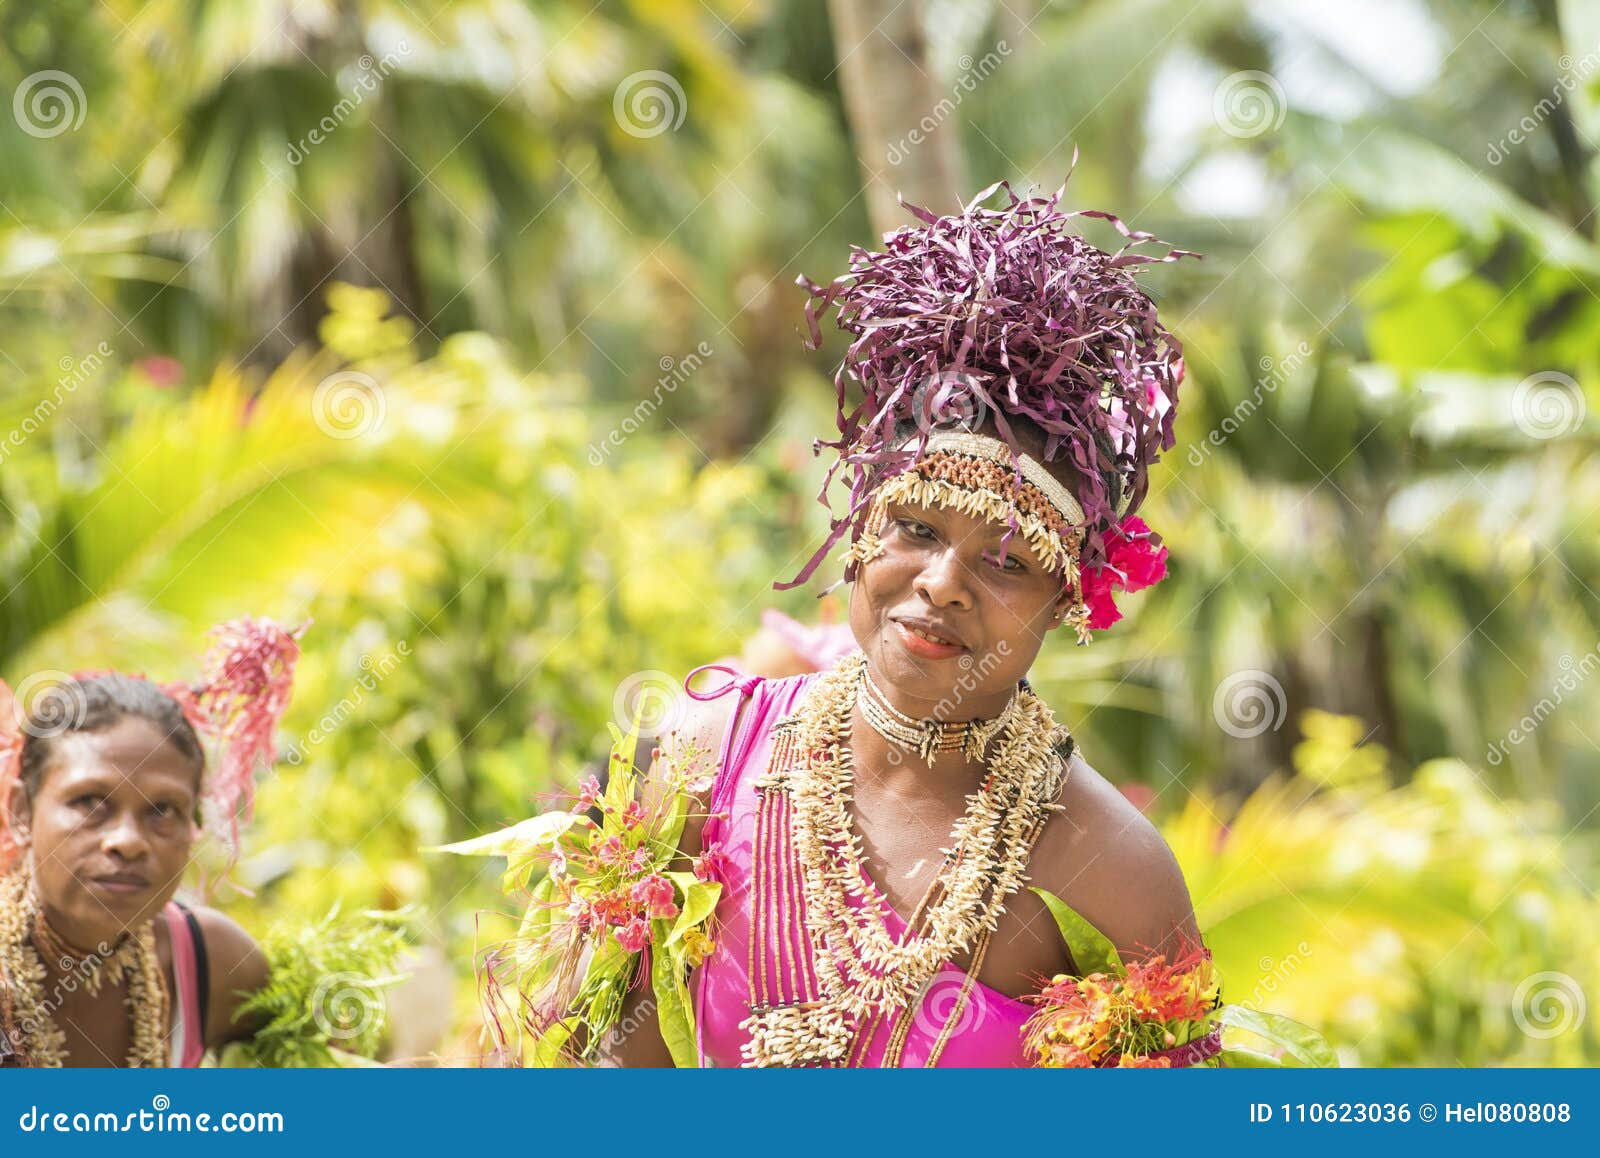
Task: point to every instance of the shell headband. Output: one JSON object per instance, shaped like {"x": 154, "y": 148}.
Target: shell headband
{"x": 973, "y": 474}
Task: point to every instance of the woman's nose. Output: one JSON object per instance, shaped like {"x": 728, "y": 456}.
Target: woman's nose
{"x": 125, "y": 838}
{"x": 944, "y": 580}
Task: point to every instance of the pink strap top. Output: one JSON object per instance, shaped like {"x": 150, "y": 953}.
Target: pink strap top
{"x": 188, "y": 1027}
{"x": 988, "y": 1029}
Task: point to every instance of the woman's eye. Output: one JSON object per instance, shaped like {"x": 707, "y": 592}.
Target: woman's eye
{"x": 915, "y": 529}
{"x": 165, "y": 811}
{"x": 88, "y": 802}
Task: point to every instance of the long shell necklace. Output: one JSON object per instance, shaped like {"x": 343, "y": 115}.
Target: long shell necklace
{"x": 861, "y": 968}
{"x": 26, "y": 1013}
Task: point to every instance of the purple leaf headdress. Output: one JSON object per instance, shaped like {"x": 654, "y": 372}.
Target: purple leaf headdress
{"x": 1004, "y": 313}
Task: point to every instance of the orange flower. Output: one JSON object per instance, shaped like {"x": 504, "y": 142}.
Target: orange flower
{"x": 1119, "y": 1020}
{"x": 1134, "y": 1061}
{"x": 1080, "y": 1021}
{"x": 1182, "y": 991}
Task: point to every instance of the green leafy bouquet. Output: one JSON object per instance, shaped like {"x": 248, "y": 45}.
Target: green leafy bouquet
{"x": 1152, "y": 1014}
{"x": 607, "y": 904}
{"x": 323, "y": 1003}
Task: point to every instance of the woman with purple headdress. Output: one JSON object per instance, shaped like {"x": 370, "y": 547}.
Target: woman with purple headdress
{"x": 873, "y": 824}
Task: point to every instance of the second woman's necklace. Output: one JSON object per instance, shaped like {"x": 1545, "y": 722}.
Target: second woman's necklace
{"x": 27, "y": 1009}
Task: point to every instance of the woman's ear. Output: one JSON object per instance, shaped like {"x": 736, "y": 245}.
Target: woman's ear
{"x": 18, "y": 813}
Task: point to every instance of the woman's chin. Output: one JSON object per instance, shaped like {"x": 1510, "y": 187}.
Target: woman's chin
{"x": 108, "y": 911}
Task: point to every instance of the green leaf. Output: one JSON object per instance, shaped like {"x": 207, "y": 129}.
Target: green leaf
{"x": 699, "y": 901}
{"x": 670, "y": 832}
{"x": 673, "y": 1010}
{"x": 1090, "y": 948}
{"x": 622, "y": 776}
{"x": 547, "y": 1047}
{"x": 1304, "y": 1045}
{"x": 536, "y": 832}
{"x": 1234, "y": 1057}
{"x": 345, "y": 1060}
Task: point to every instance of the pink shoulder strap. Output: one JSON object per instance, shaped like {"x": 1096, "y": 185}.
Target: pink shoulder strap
{"x": 186, "y": 978}
{"x": 736, "y": 739}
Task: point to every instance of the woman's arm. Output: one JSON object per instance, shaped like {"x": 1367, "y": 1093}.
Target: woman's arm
{"x": 1105, "y": 859}
{"x": 238, "y": 968}
{"x": 636, "y": 1038}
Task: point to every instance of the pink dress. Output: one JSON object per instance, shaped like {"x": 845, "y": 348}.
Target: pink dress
{"x": 189, "y": 969}
{"x": 988, "y": 1024}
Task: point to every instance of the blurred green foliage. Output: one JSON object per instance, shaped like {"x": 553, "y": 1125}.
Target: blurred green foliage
{"x": 507, "y": 396}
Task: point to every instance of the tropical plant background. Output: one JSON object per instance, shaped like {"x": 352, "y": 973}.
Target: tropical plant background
{"x": 468, "y": 331}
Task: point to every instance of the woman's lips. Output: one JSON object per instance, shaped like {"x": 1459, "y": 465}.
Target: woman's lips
{"x": 925, "y": 648}
{"x": 122, "y": 886}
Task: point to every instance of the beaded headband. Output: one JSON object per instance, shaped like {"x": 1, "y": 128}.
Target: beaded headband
{"x": 973, "y": 474}
{"x": 248, "y": 674}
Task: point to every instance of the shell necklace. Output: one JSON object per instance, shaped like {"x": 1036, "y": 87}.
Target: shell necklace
{"x": 930, "y": 736}
{"x": 27, "y": 1029}
{"x": 861, "y": 968}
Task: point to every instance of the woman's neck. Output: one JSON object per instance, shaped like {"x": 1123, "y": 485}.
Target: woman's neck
{"x": 68, "y": 943}
{"x": 957, "y": 706}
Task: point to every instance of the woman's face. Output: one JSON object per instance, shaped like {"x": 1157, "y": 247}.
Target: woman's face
{"x": 940, "y": 572}
{"x": 111, "y": 826}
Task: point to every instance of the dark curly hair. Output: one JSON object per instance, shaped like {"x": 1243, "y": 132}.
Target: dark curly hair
{"x": 95, "y": 704}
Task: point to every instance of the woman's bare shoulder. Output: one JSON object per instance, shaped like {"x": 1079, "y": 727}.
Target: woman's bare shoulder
{"x": 1103, "y": 857}
{"x": 237, "y": 967}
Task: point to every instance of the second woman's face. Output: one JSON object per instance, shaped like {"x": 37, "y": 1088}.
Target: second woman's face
{"x": 940, "y": 575}
{"x": 111, "y": 828}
